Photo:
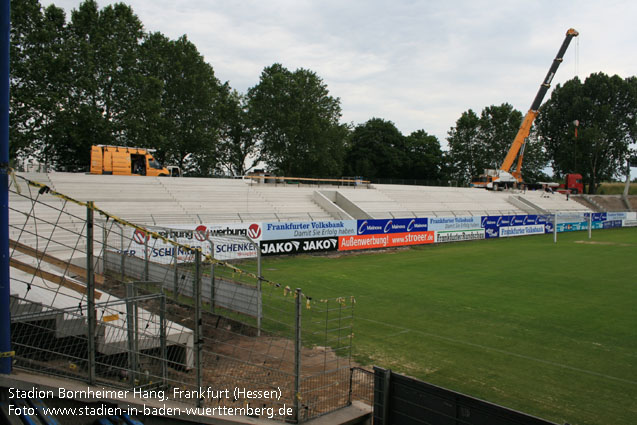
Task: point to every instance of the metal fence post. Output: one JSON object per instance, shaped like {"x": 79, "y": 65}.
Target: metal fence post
{"x": 555, "y": 227}
{"x": 162, "y": 337}
{"x": 259, "y": 295}
{"x": 90, "y": 296}
{"x": 131, "y": 320}
{"x": 212, "y": 276}
{"x": 386, "y": 396}
{"x": 297, "y": 359}
{"x": 146, "y": 257}
{"x": 176, "y": 272}
{"x": 198, "y": 334}
{"x": 105, "y": 234}
{"x": 121, "y": 251}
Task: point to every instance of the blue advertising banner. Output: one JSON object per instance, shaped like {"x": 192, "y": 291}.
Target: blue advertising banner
{"x": 611, "y": 224}
{"x": 395, "y": 225}
{"x": 491, "y": 224}
{"x": 496, "y": 226}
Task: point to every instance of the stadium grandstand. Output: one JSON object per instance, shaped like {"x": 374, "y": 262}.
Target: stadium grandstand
{"x": 157, "y": 201}
{"x": 51, "y": 263}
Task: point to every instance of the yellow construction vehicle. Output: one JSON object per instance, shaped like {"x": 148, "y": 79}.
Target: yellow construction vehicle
{"x": 126, "y": 161}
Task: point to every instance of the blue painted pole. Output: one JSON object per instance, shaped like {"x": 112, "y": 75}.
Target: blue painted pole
{"x": 5, "y": 314}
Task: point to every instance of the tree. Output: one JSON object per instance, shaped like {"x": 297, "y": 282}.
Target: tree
{"x": 238, "y": 143}
{"x": 605, "y": 111}
{"x": 482, "y": 143}
{"x": 191, "y": 104}
{"x": 297, "y": 123}
{"x": 40, "y": 80}
{"x": 93, "y": 81}
{"x": 377, "y": 150}
{"x": 424, "y": 156}
{"x": 464, "y": 157}
{"x": 104, "y": 49}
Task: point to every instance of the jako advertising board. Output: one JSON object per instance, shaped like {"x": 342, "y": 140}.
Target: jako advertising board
{"x": 298, "y": 246}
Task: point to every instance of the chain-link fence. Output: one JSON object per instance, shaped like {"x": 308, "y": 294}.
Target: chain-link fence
{"x": 102, "y": 300}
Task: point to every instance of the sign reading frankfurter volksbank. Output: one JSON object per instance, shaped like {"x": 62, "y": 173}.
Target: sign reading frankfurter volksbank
{"x": 455, "y": 223}
{"x": 307, "y": 229}
{"x": 531, "y": 229}
{"x": 395, "y": 225}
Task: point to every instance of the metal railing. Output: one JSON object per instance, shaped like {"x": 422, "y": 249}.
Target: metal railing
{"x": 93, "y": 300}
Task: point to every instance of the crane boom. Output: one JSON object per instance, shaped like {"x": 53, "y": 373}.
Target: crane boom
{"x": 517, "y": 147}
{"x": 525, "y": 128}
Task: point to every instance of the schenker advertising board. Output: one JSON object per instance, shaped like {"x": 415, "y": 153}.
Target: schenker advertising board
{"x": 231, "y": 241}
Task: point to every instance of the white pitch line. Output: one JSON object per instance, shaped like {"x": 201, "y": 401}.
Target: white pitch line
{"x": 497, "y": 350}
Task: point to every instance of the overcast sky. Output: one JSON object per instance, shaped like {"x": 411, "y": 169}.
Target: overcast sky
{"x": 419, "y": 64}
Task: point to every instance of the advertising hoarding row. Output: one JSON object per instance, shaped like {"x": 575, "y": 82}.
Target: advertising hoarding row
{"x": 242, "y": 240}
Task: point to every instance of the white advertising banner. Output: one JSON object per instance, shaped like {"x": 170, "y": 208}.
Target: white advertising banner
{"x": 458, "y": 236}
{"x": 455, "y": 223}
{"x": 535, "y": 229}
{"x": 230, "y": 241}
{"x": 307, "y": 229}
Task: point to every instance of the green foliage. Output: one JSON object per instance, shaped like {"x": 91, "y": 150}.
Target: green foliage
{"x": 100, "y": 80}
{"x": 238, "y": 147}
{"x": 465, "y": 159}
{"x": 297, "y": 122}
{"x": 424, "y": 156}
{"x": 478, "y": 143}
{"x": 39, "y": 79}
{"x": 191, "y": 100}
{"x": 606, "y": 111}
{"x": 377, "y": 149}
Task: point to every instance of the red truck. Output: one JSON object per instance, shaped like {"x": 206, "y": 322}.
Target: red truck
{"x": 572, "y": 184}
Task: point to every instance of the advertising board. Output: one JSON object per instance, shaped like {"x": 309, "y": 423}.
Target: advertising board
{"x": 374, "y": 241}
{"x": 298, "y": 246}
{"x": 307, "y": 229}
{"x": 230, "y": 241}
{"x": 394, "y": 225}
{"x": 458, "y": 236}
{"x": 454, "y": 223}
{"x": 611, "y": 224}
{"x": 531, "y": 229}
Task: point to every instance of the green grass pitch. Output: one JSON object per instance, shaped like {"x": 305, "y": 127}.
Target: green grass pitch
{"x": 547, "y": 329}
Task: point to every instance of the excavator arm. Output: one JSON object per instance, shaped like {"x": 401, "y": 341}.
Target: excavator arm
{"x": 517, "y": 147}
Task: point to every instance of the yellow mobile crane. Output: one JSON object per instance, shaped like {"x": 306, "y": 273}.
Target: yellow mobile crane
{"x": 503, "y": 177}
